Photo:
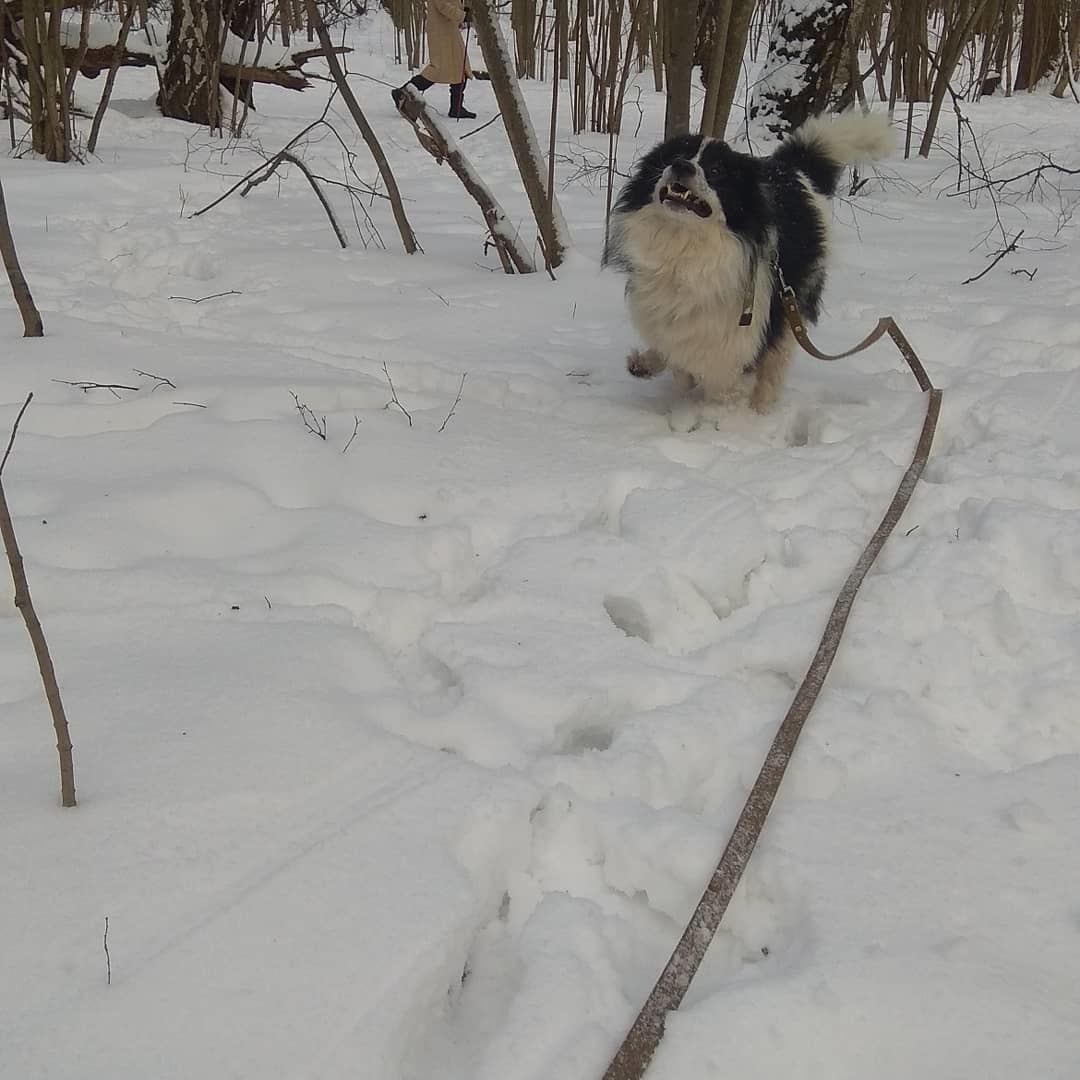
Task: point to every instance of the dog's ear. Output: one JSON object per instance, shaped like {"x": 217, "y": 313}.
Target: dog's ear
{"x": 640, "y": 189}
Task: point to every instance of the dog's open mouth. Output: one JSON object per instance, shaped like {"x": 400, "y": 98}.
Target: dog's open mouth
{"x": 679, "y": 197}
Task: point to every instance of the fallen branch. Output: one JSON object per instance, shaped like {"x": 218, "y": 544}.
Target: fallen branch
{"x": 159, "y": 380}
{"x": 37, "y": 635}
{"x": 280, "y": 158}
{"x": 1009, "y": 248}
{"x": 438, "y": 142}
{"x": 212, "y": 296}
{"x": 357, "y": 192}
{"x": 86, "y": 387}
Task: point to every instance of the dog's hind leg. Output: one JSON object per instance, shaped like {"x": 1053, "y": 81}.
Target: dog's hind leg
{"x": 771, "y": 369}
{"x": 645, "y": 364}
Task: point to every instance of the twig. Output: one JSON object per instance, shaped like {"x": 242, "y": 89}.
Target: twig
{"x": 355, "y": 429}
{"x": 486, "y": 123}
{"x": 159, "y": 379}
{"x": 212, "y": 296}
{"x": 193, "y": 404}
{"x": 311, "y": 421}
{"x": 457, "y": 402}
{"x": 86, "y": 387}
{"x": 394, "y": 398}
{"x": 1007, "y": 250}
{"x": 1037, "y": 172}
{"x": 105, "y": 940}
{"x": 283, "y": 156}
{"x": 37, "y": 635}
{"x": 1021, "y": 270}
{"x": 14, "y": 429}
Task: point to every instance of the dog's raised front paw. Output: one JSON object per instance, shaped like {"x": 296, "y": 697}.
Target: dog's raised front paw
{"x": 645, "y": 364}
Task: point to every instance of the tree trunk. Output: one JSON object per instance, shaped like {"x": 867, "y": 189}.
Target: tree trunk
{"x": 681, "y": 18}
{"x": 408, "y": 237}
{"x": 189, "y": 83}
{"x": 434, "y": 138}
{"x": 27, "y": 308}
{"x": 727, "y": 40}
{"x": 46, "y": 79}
{"x": 519, "y": 129}
{"x": 1040, "y": 33}
{"x": 806, "y": 46}
{"x": 244, "y": 22}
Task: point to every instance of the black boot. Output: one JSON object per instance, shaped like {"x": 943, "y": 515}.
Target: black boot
{"x": 457, "y": 108}
{"x": 418, "y": 81}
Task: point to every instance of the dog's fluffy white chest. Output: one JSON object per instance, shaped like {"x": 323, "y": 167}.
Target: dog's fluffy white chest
{"x": 687, "y": 290}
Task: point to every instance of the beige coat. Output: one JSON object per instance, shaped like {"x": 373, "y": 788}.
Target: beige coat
{"x": 447, "y": 62}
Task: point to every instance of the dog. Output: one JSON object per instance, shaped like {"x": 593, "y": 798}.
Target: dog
{"x": 706, "y": 235}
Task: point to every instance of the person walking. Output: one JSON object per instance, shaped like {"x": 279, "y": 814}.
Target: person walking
{"x": 448, "y": 58}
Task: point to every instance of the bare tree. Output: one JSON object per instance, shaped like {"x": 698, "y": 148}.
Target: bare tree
{"x": 1040, "y": 41}
{"x": 725, "y": 26}
{"x": 189, "y": 82}
{"x": 46, "y": 81}
{"x": 315, "y": 20}
{"x": 680, "y": 19}
{"x": 438, "y": 142}
{"x": 553, "y": 232}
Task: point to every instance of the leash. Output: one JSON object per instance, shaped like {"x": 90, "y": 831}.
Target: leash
{"x": 637, "y": 1049}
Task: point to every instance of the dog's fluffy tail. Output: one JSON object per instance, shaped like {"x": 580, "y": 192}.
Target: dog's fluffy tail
{"x": 824, "y": 145}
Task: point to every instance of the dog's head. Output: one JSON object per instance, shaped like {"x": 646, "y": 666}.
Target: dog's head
{"x": 696, "y": 183}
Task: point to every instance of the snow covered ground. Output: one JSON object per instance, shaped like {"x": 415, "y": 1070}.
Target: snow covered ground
{"x": 408, "y": 758}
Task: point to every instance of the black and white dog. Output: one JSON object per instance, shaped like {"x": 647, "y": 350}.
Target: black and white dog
{"x": 702, "y": 229}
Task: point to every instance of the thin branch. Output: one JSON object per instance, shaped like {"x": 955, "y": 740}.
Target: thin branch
{"x": 486, "y": 123}
{"x": 159, "y": 379}
{"x": 14, "y": 431}
{"x": 1011, "y": 247}
{"x": 355, "y": 429}
{"x": 37, "y": 635}
{"x": 394, "y": 400}
{"x": 457, "y": 402}
{"x": 312, "y": 422}
{"x": 212, "y": 296}
{"x": 110, "y": 79}
{"x": 86, "y": 387}
{"x": 279, "y": 158}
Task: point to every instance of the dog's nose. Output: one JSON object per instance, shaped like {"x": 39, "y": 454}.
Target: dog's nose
{"x": 682, "y": 169}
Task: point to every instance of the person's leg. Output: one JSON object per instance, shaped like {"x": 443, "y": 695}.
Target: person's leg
{"x": 418, "y": 81}
{"x": 457, "y": 107}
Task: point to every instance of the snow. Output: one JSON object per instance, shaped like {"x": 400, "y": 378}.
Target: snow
{"x": 411, "y": 759}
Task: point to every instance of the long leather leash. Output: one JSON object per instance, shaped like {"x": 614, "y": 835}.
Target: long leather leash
{"x": 637, "y": 1049}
